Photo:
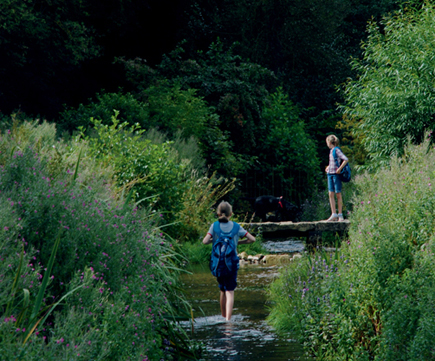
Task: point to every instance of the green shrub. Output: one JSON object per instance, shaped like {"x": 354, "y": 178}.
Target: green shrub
{"x": 158, "y": 176}
{"x": 152, "y": 171}
{"x": 177, "y": 114}
{"x": 188, "y": 149}
{"x": 286, "y": 147}
{"x": 378, "y": 300}
{"x": 393, "y": 96}
{"x": 196, "y": 205}
{"x": 115, "y": 254}
{"x": 253, "y": 248}
{"x": 175, "y": 110}
{"x": 130, "y": 110}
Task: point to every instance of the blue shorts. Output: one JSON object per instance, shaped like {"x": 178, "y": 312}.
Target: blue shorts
{"x": 334, "y": 183}
{"x": 228, "y": 282}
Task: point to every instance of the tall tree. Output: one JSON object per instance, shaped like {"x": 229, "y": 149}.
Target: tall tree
{"x": 306, "y": 42}
{"x": 55, "y": 52}
{"x": 41, "y": 42}
{"x": 393, "y": 96}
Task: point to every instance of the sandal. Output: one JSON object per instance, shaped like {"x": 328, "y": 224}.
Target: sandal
{"x": 340, "y": 218}
{"x": 332, "y": 219}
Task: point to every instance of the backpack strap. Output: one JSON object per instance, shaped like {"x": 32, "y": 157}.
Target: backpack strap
{"x": 216, "y": 227}
{"x": 235, "y": 230}
{"x": 334, "y": 155}
{"x": 218, "y": 231}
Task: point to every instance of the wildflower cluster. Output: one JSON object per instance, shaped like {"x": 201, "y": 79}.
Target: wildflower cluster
{"x": 110, "y": 291}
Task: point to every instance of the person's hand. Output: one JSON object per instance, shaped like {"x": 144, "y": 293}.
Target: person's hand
{"x": 327, "y": 169}
{"x": 338, "y": 171}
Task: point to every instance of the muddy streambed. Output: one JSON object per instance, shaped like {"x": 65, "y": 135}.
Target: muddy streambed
{"x": 247, "y": 336}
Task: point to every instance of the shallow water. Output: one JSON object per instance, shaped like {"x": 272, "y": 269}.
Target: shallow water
{"x": 283, "y": 245}
{"x": 247, "y": 336}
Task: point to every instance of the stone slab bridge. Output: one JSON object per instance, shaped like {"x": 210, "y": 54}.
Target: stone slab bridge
{"x": 312, "y": 231}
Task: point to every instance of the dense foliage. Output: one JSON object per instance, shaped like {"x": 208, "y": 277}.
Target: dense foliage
{"x": 60, "y": 52}
{"x": 235, "y": 87}
{"x": 393, "y": 97}
{"x": 308, "y": 43}
{"x": 373, "y": 299}
{"x": 287, "y": 153}
{"x": 109, "y": 293}
{"x": 237, "y": 123}
{"x": 213, "y": 85}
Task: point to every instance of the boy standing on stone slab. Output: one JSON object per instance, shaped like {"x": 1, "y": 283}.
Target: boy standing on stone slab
{"x": 334, "y": 181}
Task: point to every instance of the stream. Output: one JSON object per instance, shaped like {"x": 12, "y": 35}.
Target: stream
{"x": 247, "y": 336}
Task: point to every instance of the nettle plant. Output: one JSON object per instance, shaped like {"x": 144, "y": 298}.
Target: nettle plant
{"x": 86, "y": 276}
{"x": 381, "y": 297}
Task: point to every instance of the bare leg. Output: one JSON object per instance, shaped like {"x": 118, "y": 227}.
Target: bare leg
{"x": 229, "y": 295}
{"x": 223, "y": 302}
{"x": 340, "y": 203}
{"x": 332, "y": 201}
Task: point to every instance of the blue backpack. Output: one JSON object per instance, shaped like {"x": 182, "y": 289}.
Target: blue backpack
{"x": 224, "y": 259}
{"x": 345, "y": 174}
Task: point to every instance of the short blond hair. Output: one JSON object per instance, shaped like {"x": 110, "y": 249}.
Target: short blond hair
{"x": 333, "y": 140}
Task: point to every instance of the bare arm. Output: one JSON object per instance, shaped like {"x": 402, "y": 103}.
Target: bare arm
{"x": 344, "y": 160}
{"x": 207, "y": 239}
{"x": 249, "y": 239}
{"x": 341, "y": 166}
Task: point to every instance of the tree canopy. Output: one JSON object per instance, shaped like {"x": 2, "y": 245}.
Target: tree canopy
{"x": 392, "y": 99}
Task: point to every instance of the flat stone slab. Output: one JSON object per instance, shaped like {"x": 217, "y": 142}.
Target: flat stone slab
{"x": 297, "y": 227}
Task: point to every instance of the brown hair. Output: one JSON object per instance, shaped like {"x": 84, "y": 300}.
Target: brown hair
{"x": 224, "y": 211}
{"x": 332, "y": 139}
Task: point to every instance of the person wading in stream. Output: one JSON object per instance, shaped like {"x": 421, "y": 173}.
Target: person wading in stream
{"x": 224, "y": 263}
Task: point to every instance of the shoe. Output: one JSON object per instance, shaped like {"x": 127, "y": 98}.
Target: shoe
{"x": 340, "y": 218}
{"x": 332, "y": 219}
